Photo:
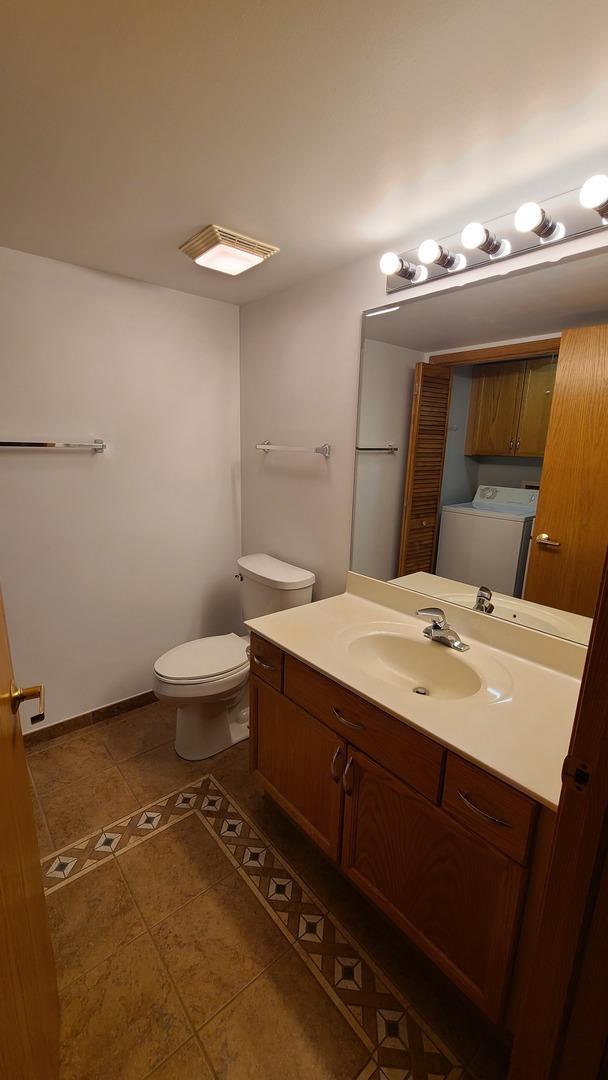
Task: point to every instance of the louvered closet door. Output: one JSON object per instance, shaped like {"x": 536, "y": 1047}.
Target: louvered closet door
{"x": 428, "y": 434}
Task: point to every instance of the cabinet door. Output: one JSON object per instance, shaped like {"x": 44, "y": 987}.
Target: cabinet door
{"x": 494, "y": 409}
{"x": 537, "y": 398}
{"x": 300, "y": 763}
{"x": 453, "y": 894}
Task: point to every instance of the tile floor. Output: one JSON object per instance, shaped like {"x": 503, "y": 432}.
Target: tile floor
{"x": 205, "y": 937}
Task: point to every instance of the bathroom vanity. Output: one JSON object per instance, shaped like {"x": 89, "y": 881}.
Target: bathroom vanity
{"x": 437, "y": 801}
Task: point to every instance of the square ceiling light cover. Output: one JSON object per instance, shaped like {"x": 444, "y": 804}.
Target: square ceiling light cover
{"x": 229, "y": 252}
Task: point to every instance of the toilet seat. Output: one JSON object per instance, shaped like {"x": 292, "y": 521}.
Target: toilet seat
{"x": 216, "y": 660}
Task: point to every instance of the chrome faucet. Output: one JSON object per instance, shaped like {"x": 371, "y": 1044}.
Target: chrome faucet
{"x": 483, "y": 600}
{"x": 440, "y": 630}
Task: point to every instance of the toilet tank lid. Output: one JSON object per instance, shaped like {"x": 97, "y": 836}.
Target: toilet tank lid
{"x": 273, "y": 572}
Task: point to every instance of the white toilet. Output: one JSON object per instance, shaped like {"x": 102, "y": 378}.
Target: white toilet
{"x": 207, "y": 678}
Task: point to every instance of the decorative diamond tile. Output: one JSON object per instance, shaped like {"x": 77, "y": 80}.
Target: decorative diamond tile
{"x": 61, "y": 867}
{"x": 186, "y": 800}
{"x": 311, "y": 928}
{"x": 347, "y": 973}
{"x": 280, "y": 889}
{"x": 108, "y": 841}
{"x": 148, "y": 820}
{"x": 254, "y": 857}
{"x": 231, "y": 827}
{"x": 211, "y": 803}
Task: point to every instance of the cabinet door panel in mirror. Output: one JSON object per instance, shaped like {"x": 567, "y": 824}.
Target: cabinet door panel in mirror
{"x": 494, "y": 409}
{"x": 536, "y": 402}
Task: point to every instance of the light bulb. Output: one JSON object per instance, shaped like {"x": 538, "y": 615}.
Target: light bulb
{"x": 459, "y": 263}
{"x": 474, "y": 235}
{"x": 528, "y": 217}
{"x": 594, "y": 195}
{"x": 429, "y": 251}
{"x": 390, "y": 263}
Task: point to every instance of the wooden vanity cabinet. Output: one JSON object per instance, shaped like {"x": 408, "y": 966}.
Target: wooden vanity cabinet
{"x": 510, "y": 407}
{"x": 301, "y": 763}
{"x": 439, "y": 845}
{"x": 455, "y": 896}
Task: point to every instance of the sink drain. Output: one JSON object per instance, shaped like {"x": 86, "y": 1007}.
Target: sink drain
{"x": 421, "y": 690}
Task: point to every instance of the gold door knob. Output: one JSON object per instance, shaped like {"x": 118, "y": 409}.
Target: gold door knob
{"x": 18, "y": 694}
{"x": 546, "y": 541}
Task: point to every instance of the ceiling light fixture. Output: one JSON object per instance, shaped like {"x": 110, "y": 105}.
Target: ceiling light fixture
{"x": 390, "y": 263}
{"x": 594, "y": 195}
{"x": 432, "y": 252}
{"x": 475, "y": 235}
{"x": 532, "y": 218}
{"x": 231, "y": 253}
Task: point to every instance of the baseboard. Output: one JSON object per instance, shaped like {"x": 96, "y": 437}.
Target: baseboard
{"x": 85, "y": 720}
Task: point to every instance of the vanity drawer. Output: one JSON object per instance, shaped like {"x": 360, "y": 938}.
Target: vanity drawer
{"x": 266, "y": 661}
{"x": 491, "y": 808}
{"x": 405, "y": 752}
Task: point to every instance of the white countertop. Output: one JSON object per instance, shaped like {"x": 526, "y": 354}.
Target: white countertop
{"x": 521, "y": 736}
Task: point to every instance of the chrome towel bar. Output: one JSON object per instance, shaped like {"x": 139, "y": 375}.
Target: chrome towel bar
{"x": 388, "y": 449}
{"x": 324, "y": 450}
{"x": 97, "y": 446}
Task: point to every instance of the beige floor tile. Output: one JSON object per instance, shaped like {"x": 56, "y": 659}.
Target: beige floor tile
{"x": 45, "y": 842}
{"x": 172, "y": 868}
{"x": 159, "y": 771}
{"x": 216, "y": 944}
{"x": 74, "y": 810}
{"x": 187, "y": 1063}
{"x": 283, "y": 1025}
{"x": 121, "y": 1019}
{"x": 68, "y": 760}
{"x": 139, "y": 730}
{"x": 90, "y": 919}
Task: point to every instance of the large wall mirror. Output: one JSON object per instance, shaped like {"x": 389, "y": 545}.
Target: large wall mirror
{"x": 482, "y": 446}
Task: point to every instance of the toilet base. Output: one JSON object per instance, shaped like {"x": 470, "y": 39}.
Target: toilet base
{"x": 207, "y": 727}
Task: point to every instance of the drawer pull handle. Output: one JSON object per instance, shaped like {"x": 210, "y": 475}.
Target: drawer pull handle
{"x": 347, "y": 787}
{"x": 476, "y": 810}
{"x": 347, "y": 723}
{"x": 334, "y": 761}
{"x": 262, "y": 663}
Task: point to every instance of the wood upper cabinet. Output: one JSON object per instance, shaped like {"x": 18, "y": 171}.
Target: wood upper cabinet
{"x": 510, "y": 407}
{"x": 300, "y": 762}
{"x": 494, "y": 409}
{"x": 456, "y": 896}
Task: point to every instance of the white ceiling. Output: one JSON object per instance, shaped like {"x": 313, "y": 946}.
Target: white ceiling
{"x": 332, "y": 128}
{"x": 531, "y": 304}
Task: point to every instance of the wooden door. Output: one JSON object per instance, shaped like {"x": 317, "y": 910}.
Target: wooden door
{"x": 454, "y": 895}
{"x": 536, "y": 402}
{"x": 574, "y": 490}
{"x": 424, "y": 471}
{"x": 494, "y": 409}
{"x": 29, "y": 1005}
{"x": 563, "y": 1028}
{"x": 300, "y": 763}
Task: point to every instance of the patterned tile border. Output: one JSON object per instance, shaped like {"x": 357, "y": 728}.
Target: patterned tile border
{"x": 402, "y": 1045}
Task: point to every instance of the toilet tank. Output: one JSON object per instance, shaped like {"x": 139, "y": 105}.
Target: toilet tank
{"x": 270, "y": 585}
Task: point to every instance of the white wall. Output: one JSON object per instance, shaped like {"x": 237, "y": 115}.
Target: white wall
{"x": 459, "y": 472}
{"x": 108, "y": 560}
{"x": 385, "y": 405}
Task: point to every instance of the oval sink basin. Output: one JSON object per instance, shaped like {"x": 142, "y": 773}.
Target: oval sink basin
{"x": 416, "y": 665}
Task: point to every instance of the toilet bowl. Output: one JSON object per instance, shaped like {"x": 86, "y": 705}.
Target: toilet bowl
{"x": 207, "y": 678}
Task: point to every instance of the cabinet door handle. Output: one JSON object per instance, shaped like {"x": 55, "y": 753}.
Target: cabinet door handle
{"x": 262, "y": 663}
{"x": 477, "y": 810}
{"x": 546, "y": 541}
{"x": 347, "y": 723}
{"x": 345, "y": 775}
{"x": 334, "y": 761}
